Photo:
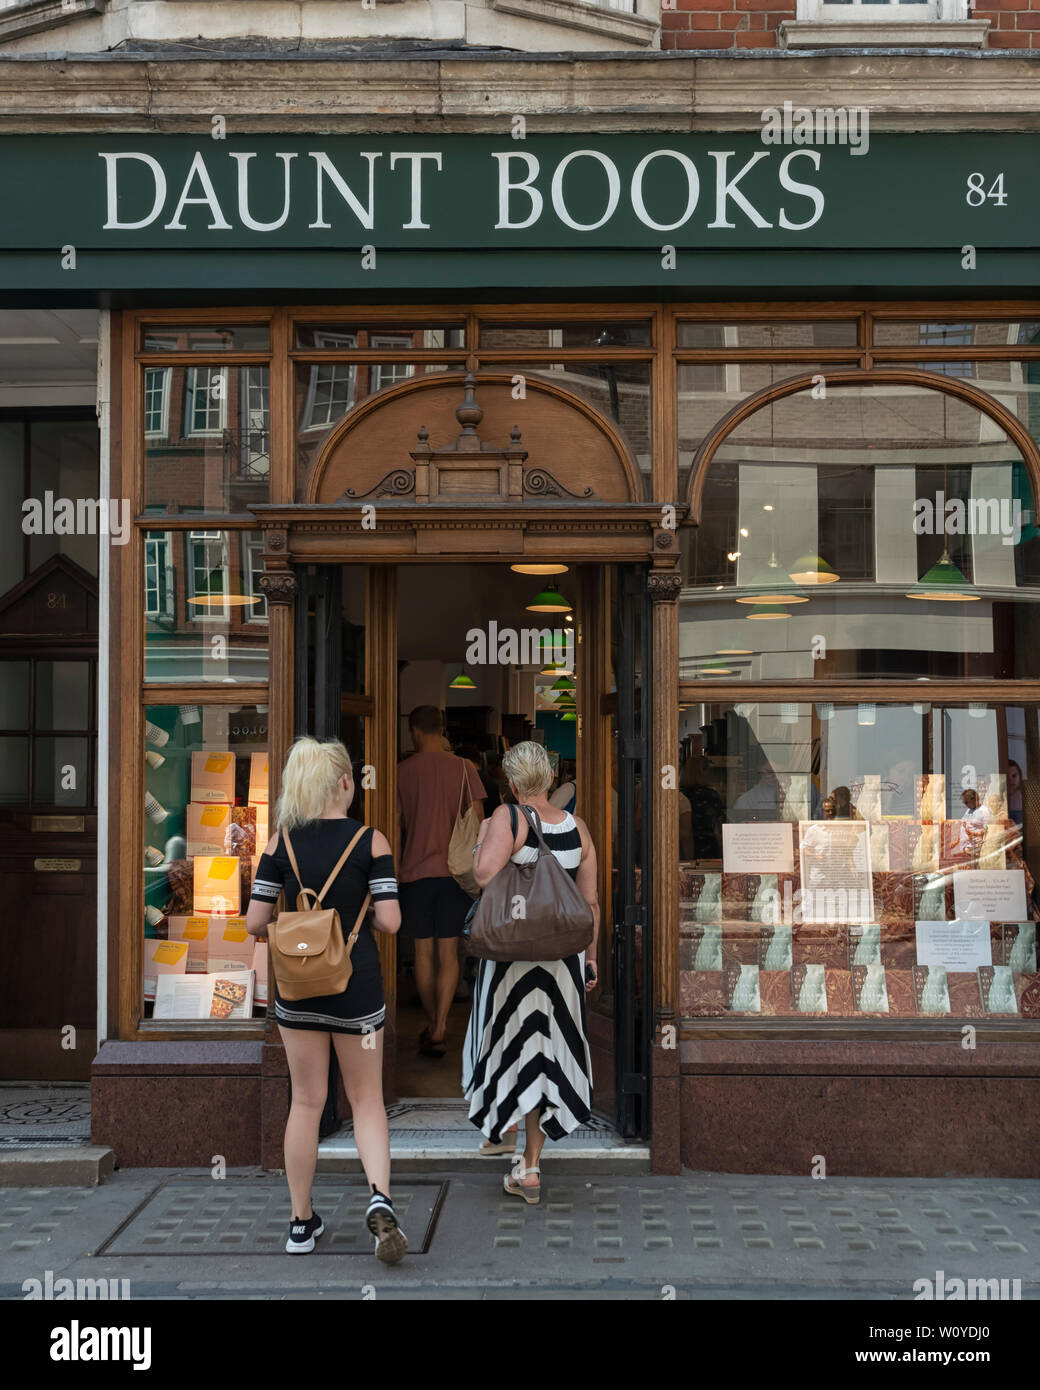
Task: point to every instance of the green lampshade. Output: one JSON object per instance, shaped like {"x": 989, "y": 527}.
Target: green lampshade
{"x": 569, "y": 718}
{"x": 767, "y": 587}
{"x": 812, "y": 569}
{"x": 462, "y": 682}
{"x": 564, "y": 683}
{"x": 716, "y": 668}
{"x": 944, "y": 582}
{"x": 550, "y": 600}
{"x": 764, "y": 612}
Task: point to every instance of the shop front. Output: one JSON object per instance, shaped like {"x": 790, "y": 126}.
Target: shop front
{"x": 540, "y": 454}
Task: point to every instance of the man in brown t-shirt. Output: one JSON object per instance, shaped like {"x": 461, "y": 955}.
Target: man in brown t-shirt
{"x": 431, "y": 784}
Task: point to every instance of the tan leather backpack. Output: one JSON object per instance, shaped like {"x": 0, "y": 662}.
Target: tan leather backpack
{"x": 307, "y": 950}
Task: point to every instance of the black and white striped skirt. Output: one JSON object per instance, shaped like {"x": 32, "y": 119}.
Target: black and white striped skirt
{"x": 526, "y": 1047}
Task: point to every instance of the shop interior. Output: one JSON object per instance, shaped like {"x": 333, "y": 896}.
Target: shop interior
{"x": 492, "y": 646}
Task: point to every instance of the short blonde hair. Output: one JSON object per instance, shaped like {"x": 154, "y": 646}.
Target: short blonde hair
{"x": 528, "y": 767}
{"x": 310, "y": 780}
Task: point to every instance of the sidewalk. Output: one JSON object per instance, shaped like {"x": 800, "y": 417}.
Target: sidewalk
{"x": 180, "y": 1234}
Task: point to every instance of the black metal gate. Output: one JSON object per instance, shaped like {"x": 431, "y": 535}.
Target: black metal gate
{"x": 633, "y": 906}
{"x": 318, "y": 679}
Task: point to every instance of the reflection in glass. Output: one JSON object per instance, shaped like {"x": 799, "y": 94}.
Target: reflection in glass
{"x": 239, "y": 337}
{"x": 708, "y": 390}
{"x": 829, "y": 333}
{"x": 378, "y": 337}
{"x": 830, "y": 853}
{"x": 619, "y": 390}
{"x": 593, "y": 334}
{"x": 327, "y": 391}
{"x": 205, "y": 612}
{"x": 207, "y": 438}
{"x": 913, "y": 509}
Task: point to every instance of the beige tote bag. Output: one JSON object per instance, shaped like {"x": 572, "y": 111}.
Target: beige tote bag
{"x": 463, "y": 839}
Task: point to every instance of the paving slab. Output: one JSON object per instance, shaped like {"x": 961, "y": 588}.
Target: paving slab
{"x": 709, "y": 1236}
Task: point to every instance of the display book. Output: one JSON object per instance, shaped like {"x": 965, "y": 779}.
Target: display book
{"x": 935, "y": 920}
{"x": 199, "y": 960}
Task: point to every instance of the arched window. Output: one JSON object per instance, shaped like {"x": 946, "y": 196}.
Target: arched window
{"x": 860, "y": 761}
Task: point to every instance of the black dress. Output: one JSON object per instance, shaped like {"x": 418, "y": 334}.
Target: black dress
{"x": 360, "y": 1008}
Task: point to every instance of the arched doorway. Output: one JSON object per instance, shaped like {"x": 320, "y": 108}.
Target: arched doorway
{"x": 415, "y": 516}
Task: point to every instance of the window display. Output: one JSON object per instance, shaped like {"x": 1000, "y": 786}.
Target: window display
{"x": 206, "y": 824}
{"x": 852, "y": 860}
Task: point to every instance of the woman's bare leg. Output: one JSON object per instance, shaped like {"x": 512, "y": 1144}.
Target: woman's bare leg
{"x": 361, "y": 1062}
{"x": 533, "y": 1147}
{"x": 308, "y": 1056}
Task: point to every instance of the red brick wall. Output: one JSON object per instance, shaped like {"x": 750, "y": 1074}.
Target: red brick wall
{"x": 1013, "y": 23}
{"x": 722, "y": 23}
{"x": 753, "y": 23}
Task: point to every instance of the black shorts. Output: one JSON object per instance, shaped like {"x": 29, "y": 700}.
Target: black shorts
{"x": 433, "y": 907}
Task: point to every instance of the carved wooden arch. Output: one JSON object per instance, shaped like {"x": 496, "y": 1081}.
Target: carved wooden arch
{"x": 562, "y": 434}
{"x": 885, "y": 376}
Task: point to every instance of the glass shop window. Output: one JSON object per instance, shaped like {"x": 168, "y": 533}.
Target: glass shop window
{"x": 868, "y": 533}
{"x": 205, "y": 819}
{"x": 841, "y": 860}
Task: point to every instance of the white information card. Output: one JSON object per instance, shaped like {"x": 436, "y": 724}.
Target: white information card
{"x": 993, "y": 895}
{"x": 960, "y": 945}
{"x": 762, "y": 848}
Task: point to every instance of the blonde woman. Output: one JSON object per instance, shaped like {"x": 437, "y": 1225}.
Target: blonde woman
{"x": 317, "y": 789}
{"x": 526, "y": 1052}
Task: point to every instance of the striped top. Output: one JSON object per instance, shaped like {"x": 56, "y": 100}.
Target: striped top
{"x": 563, "y": 839}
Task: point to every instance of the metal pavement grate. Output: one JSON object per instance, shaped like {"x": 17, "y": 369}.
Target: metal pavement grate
{"x": 200, "y": 1216}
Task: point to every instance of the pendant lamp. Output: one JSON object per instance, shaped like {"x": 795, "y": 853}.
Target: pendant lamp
{"x": 812, "y": 569}
{"x": 462, "y": 681}
{"x": 220, "y": 589}
{"x": 550, "y": 600}
{"x": 564, "y": 683}
{"x": 944, "y": 582}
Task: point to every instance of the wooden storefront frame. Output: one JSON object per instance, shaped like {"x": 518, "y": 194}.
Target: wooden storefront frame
{"x": 129, "y": 693}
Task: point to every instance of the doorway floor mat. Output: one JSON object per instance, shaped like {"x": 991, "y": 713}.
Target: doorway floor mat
{"x": 36, "y": 1113}
{"x": 198, "y": 1217}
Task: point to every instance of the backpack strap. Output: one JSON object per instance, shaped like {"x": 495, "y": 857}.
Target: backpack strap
{"x": 514, "y": 823}
{"x": 309, "y": 892}
{"x": 357, "y": 924}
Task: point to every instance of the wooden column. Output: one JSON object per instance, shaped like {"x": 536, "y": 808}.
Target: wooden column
{"x": 664, "y": 593}
{"x": 280, "y": 587}
{"x": 664, "y": 585}
{"x": 381, "y": 749}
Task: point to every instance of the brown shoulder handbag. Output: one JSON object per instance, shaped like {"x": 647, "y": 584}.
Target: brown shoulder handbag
{"x": 307, "y": 950}
{"x": 531, "y": 911}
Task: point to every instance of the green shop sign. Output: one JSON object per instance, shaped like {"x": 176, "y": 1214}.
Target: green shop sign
{"x": 655, "y": 210}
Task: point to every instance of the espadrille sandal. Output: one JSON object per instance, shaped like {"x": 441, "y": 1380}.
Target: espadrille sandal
{"x": 532, "y": 1195}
